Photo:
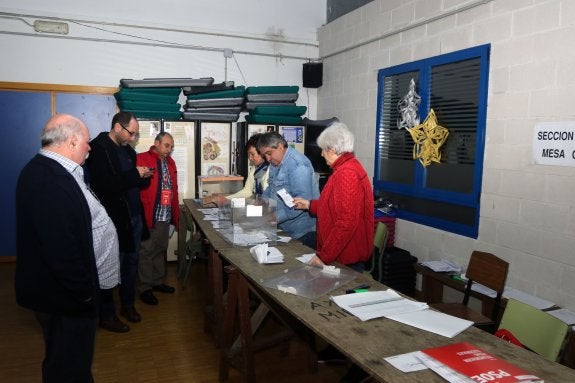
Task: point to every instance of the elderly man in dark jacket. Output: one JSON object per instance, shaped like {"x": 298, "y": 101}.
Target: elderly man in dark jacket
{"x": 67, "y": 248}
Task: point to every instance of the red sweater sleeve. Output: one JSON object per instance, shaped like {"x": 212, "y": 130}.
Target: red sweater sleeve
{"x": 344, "y": 206}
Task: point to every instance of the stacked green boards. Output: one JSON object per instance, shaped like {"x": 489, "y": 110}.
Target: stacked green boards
{"x": 273, "y": 105}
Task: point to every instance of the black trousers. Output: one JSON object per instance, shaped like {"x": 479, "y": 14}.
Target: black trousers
{"x": 69, "y": 348}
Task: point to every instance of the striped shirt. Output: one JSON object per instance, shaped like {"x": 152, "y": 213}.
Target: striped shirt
{"x": 105, "y": 237}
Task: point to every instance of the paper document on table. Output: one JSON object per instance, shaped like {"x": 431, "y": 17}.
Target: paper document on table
{"x": 305, "y": 258}
{"x": 529, "y": 299}
{"x": 406, "y": 362}
{"x": 264, "y": 254}
{"x": 209, "y": 210}
{"x": 442, "y": 370}
{"x": 443, "y": 266}
{"x": 377, "y": 304}
{"x": 563, "y": 315}
{"x": 478, "y": 287}
{"x": 434, "y": 321}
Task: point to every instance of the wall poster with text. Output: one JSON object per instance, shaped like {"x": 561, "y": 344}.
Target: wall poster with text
{"x": 149, "y": 129}
{"x": 183, "y": 155}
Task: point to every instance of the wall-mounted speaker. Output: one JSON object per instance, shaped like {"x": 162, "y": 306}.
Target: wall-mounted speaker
{"x": 312, "y": 75}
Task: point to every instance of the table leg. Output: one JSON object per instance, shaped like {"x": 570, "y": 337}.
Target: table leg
{"x": 237, "y": 304}
{"x": 214, "y": 310}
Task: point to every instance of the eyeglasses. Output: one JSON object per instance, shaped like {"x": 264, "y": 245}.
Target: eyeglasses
{"x": 132, "y": 134}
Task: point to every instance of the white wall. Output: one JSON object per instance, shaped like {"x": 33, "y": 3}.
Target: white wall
{"x": 271, "y": 40}
{"x": 527, "y": 211}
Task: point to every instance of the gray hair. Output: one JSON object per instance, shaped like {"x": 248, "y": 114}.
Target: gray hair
{"x": 161, "y": 135}
{"x": 59, "y": 129}
{"x": 271, "y": 140}
{"x": 337, "y": 137}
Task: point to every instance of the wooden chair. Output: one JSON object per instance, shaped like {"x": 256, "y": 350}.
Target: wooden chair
{"x": 490, "y": 271}
{"x": 535, "y": 329}
{"x": 379, "y": 244}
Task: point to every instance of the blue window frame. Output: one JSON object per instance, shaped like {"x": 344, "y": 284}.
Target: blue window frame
{"x": 443, "y": 195}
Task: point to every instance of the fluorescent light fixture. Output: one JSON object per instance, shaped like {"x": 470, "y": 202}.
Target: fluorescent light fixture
{"x": 51, "y": 27}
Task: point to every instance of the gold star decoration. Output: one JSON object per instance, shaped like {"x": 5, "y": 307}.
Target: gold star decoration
{"x": 428, "y": 137}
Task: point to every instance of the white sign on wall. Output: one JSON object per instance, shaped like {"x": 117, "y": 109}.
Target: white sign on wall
{"x": 554, "y": 143}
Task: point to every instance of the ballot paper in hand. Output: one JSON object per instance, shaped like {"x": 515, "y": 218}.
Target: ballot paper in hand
{"x": 286, "y": 197}
{"x": 264, "y": 254}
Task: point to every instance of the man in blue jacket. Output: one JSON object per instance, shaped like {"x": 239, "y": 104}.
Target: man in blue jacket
{"x": 292, "y": 171}
{"x": 66, "y": 248}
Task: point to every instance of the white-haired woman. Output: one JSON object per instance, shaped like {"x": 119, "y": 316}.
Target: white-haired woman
{"x": 344, "y": 209}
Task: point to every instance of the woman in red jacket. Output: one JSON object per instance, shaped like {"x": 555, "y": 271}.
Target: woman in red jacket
{"x": 344, "y": 209}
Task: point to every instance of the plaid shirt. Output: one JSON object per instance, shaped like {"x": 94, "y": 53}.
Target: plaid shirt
{"x": 163, "y": 213}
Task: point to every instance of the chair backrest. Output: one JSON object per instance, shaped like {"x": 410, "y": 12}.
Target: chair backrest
{"x": 535, "y": 329}
{"x": 490, "y": 271}
{"x": 379, "y": 243}
{"x": 380, "y": 237}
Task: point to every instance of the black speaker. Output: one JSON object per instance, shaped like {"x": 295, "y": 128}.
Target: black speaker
{"x": 312, "y": 75}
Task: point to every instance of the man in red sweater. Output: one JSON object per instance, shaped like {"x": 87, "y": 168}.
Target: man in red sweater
{"x": 161, "y": 208}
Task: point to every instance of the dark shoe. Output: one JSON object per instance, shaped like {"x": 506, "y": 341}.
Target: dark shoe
{"x": 130, "y": 314}
{"x": 114, "y": 325}
{"x": 164, "y": 289}
{"x": 331, "y": 355}
{"x": 149, "y": 298}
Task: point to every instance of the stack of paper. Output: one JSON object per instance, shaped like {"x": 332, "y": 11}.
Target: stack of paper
{"x": 376, "y": 304}
{"x": 264, "y": 254}
{"x": 391, "y": 305}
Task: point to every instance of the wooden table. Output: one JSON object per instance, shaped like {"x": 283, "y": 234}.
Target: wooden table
{"x": 365, "y": 343}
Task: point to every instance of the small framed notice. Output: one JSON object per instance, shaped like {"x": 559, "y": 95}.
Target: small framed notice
{"x": 554, "y": 143}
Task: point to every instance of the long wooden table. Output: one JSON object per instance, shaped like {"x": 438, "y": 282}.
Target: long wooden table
{"x": 365, "y": 343}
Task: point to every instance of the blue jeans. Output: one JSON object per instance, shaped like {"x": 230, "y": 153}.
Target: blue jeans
{"x": 128, "y": 275}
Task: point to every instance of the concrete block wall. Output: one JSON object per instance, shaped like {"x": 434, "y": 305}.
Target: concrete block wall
{"x": 527, "y": 211}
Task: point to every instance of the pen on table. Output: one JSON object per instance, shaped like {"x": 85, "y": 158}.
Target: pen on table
{"x": 358, "y": 289}
{"x": 375, "y": 302}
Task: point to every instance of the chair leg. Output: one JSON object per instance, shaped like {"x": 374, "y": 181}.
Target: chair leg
{"x": 187, "y": 271}
{"x": 181, "y": 262}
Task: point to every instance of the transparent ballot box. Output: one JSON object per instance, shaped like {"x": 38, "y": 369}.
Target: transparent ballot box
{"x": 220, "y": 184}
{"x": 309, "y": 281}
{"x": 248, "y": 222}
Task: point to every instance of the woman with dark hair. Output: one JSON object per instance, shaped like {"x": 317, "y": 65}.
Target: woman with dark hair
{"x": 257, "y": 179}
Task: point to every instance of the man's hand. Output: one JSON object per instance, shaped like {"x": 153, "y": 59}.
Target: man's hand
{"x": 145, "y": 172}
